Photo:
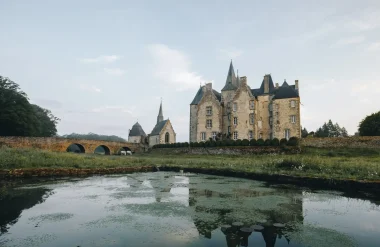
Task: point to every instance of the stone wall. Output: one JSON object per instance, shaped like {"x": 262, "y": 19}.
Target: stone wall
{"x": 227, "y": 150}
{"x": 61, "y": 144}
{"x": 208, "y": 100}
{"x": 342, "y": 142}
{"x": 242, "y": 98}
{"x": 282, "y": 112}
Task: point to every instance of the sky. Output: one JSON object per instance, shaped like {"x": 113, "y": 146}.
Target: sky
{"x": 100, "y": 66}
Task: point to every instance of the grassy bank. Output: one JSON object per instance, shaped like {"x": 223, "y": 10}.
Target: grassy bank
{"x": 340, "y": 164}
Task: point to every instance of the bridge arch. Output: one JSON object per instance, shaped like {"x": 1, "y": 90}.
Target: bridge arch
{"x": 76, "y": 148}
{"x": 102, "y": 149}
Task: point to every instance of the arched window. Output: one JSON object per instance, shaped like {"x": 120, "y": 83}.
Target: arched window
{"x": 167, "y": 137}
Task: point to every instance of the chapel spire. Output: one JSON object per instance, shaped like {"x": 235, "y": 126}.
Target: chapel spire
{"x": 160, "y": 116}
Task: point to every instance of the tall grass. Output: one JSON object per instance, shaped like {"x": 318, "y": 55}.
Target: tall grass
{"x": 313, "y": 163}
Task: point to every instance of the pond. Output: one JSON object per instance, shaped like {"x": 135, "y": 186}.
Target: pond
{"x": 173, "y": 209}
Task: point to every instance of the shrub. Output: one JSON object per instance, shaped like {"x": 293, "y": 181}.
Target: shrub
{"x": 238, "y": 142}
{"x": 293, "y": 141}
{"x": 283, "y": 142}
{"x": 260, "y": 142}
{"x": 245, "y": 142}
{"x": 267, "y": 142}
{"x": 212, "y": 143}
{"x": 275, "y": 142}
{"x": 219, "y": 143}
{"x": 186, "y": 144}
{"x": 253, "y": 142}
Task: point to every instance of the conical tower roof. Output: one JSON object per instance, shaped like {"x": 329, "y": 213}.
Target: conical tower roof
{"x": 231, "y": 81}
{"x": 137, "y": 130}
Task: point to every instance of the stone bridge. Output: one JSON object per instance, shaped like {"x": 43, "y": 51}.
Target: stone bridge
{"x": 57, "y": 144}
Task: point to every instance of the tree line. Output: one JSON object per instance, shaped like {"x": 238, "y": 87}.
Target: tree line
{"x": 369, "y": 126}
{"x": 93, "y": 136}
{"x": 18, "y": 117}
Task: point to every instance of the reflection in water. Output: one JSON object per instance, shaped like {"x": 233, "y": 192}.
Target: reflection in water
{"x": 14, "y": 201}
{"x": 168, "y": 209}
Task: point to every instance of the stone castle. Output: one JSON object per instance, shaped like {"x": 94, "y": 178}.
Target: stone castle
{"x": 239, "y": 112}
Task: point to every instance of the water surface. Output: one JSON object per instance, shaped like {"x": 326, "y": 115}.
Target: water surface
{"x": 170, "y": 209}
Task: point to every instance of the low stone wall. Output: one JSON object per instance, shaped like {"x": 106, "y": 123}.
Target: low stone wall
{"x": 228, "y": 150}
{"x": 342, "y": 142}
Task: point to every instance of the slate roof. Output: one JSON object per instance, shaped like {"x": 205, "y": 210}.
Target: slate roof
{"x": 137, "y": 130}
{"x": 286, "y": 91}
{"x": 231, "y": 80}
{"x": 199, "y": 96}
{"x": 157, "y": 129}
{"x": 229, "y": 86}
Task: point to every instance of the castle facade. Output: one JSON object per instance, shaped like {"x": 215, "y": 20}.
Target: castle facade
{"x": 239, "y": 112}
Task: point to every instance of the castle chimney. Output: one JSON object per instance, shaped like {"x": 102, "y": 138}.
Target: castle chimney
{"x": 266, "y": 84}
{"x": 277, "y": 85}
{"x": 209, "y": 86}
{"x": 243, "y": 80}
{"x": 296, "y": 84}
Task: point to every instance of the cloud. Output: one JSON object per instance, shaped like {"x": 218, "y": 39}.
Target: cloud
{"x": 350, "y": 41}
{"x": 319, "y": 85}
{"x": 101, "y": 59}
{"x": 230, "y": 53}
{"x": 368, "y": 21}
{"x": 374, "y": 46}
{"x": 90, "y": 88}
{"x": 114, "y": 71}
{"x": 121, "y": 109}
{"x": 174, "y": 67}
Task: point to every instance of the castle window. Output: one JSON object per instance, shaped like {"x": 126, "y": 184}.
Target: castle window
{"x": 235, "y": 135}
{"x": 287, "y": 134}
{"x": 208, "y": 123}
{"x": 250, "y": 135}
{"x": 229, "y": 129}
{"x": 209, "y": 110}
{"x": 203, "y": 136}
{"x": 234, "y": 107}
{"x": 251, "y": 118}
{"x": 293, "y": 118}
{"x": 292, "y": 103}
{"x": 252, "y": 104}
{"x": 167, "y": 137}
{"x": 214, "y": 136}
{"x": 235, "y": 121}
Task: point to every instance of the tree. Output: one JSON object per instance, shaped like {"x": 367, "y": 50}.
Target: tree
{"x": 370, "y": 125}
{"x": 330, "y": 129}
{"x": 304, "y": 133}
{"x": 18, "y": 117}
{"x": 47, "y": 122}
{"x": 16, "y": 114}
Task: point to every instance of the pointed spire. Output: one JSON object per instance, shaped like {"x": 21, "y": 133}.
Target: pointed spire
{"x": 231, "y": 78}
{"x": 160, "y": 116}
